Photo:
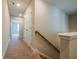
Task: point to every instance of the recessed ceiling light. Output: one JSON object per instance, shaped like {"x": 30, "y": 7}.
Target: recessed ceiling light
{"x": 18, "y": 4}
{"x": 20, "y": 14}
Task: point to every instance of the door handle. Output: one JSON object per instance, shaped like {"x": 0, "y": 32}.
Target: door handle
{"x": 26, "y": 29}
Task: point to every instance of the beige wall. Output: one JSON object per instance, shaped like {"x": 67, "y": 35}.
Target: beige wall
{"x": 73, "y": 22}
{"x": 5, "y": 26}
{"x": 49, "y": 19}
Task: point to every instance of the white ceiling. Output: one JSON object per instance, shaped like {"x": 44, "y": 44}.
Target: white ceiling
{"x": 69, "y": 6}
{"x": 14, "y": 10}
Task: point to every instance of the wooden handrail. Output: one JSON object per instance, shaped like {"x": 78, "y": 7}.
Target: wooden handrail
{"x": 36, "y": 32}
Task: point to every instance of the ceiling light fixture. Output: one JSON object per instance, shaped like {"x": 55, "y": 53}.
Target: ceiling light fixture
{"x": 18, "y": 4}
{"x": 20, "y": 14}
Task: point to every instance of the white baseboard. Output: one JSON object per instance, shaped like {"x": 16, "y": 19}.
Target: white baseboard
{"x": 5, "y": 49}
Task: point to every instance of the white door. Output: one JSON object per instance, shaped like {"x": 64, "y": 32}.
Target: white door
{"x": 27, "y": 28}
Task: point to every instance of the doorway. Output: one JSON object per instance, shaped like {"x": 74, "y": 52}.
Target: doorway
{"x": 14, "y": 29}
